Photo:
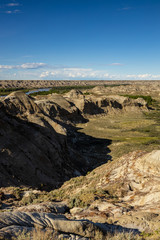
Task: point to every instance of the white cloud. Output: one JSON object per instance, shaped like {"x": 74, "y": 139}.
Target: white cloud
{"x": 36, "y": 70}
{"x": 14, "y": 11}
{"x": 20, "y": 75}
{"x": 82, "y": 73}
{"x": 12, "y": 4}
{"x": 32, "y": 65}
{"x": 156, "y": 76}
{"x": 6, "y": 67}
{"x": 125, "y": 9}
{"x": 145, "y": 76}
{"x": 75, "y": 73}
{"x": 24, "y": 66}
{"x": 8, "y": 12}
{"x": 139, "y": 76}
{"x": 116, "y": 64}
{"x": 9, "y": 8}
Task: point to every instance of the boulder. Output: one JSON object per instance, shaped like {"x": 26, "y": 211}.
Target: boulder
{"x": 11, "y": 222}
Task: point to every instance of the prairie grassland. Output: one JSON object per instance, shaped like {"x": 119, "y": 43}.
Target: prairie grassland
{"x": 128, "y": 132}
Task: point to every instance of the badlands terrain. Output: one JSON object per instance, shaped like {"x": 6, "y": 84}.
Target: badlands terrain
{"x": 80, "y": 161}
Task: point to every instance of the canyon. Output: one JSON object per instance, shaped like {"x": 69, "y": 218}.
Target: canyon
{"x": 83, "y": 164}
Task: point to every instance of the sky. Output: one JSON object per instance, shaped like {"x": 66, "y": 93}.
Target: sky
{"x": 80, "y": 39}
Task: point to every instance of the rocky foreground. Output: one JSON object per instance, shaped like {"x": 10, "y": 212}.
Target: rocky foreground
{"x": 134, "y": 180}
{"x": 41, "y": 148}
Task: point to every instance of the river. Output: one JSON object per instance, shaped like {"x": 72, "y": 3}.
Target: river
{"x": 34, "y": 91}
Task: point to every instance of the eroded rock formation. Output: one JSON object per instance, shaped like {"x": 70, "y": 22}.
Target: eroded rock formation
{"x": 12, "y": 223}
{"x": 33, "y": 150}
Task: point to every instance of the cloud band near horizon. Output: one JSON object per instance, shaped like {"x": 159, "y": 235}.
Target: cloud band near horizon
{"x": 56, "y": 72}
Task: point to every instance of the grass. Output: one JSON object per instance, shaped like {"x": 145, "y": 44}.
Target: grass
{"x": 50, "y": 234}
{"x": 59, "y": 89}
{"x": 148, "y": 99}
{"x": 65, "y": 89}
{"x": 79, "y": 192}
{"x": 38, "y": 234}
{"x": 6, "y": 91}
{"x": 85, "y": 197}
{"x": 62, "y": 90}
{"x": 127, "y": 132}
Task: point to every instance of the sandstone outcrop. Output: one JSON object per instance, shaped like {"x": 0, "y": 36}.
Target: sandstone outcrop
{"x": 130, "y": 87}
{"x": 11, "y": 223}
{"x": 34, "y": 139}
{"x": 134, "y": 183}
{"x": 33, "y": 149}
{"x": 86, "y": 105}
{"x": 56, "y": 106}
{"x": 117, "y": 104}
{"x": 94, "y": 105}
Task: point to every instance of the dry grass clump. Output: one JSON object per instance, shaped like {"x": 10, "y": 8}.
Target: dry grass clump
{"x": 123, "y": 236}
{"x": 50, "y": 234}
{"x": 37, "y": 234}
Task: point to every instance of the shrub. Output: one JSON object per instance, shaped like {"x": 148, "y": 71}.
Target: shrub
{"x": 6, "y": 91}
{"x": 37, "y": 234}
{"x": 148, "y": 99}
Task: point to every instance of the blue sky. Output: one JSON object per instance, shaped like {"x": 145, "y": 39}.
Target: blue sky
{"x": 80, "y": 39}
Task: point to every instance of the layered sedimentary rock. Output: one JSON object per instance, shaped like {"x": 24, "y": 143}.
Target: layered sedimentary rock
{"x": 93, "y": 105}
{"x": 12, "y": 223}
{"x": 134, "y": 181}
{"x": 131, "y": 87}
{"x": 56, "y": 106}
{"x": 33, "y": 148}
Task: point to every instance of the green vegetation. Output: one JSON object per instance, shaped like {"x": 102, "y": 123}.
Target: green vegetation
{"x": 65, "y": 89}
{"x": 86, "y": 197}
{"x": 58, "y": 89}
{"x": 128, "y": 132}
{"x": 6, "y": 91}
{"x": 17, "y": 192}
{"x": 61, "y": 90}
{"x": 148, "y": 99}
{"x": 29, "y": 199}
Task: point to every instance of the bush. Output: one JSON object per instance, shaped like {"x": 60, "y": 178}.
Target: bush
{"x": 36, "y": 234}
{"x": 148, "y": 99}
{"x": 6, "y": 91}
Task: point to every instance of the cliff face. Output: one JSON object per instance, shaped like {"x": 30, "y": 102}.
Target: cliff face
{"x": 104, "y": 104}
{"x": 33, "y": 150}
{"x": 56, "y": 106}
